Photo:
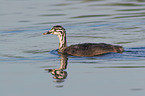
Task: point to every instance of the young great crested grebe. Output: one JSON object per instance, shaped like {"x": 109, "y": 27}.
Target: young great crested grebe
{"x": 84, "y": 49}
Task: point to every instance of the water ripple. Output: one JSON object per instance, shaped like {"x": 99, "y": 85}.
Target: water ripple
{"x": 52, "y": 15}
{"x": 87, "y": 16}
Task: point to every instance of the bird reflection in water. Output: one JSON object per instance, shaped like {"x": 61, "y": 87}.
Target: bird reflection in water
{"x": 59, "y": 74}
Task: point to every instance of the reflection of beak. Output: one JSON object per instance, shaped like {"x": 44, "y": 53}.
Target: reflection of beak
{"x": 46, "y": 33}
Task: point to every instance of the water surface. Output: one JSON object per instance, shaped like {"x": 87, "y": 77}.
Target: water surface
{"x": 26, "y": 55}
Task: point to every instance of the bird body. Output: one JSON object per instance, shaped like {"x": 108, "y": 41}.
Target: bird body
{"x": 91, "y": 49}
{"x": 84, "y": 49}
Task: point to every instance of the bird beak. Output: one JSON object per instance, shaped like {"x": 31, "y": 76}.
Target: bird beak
{"x": 47, "y": 33}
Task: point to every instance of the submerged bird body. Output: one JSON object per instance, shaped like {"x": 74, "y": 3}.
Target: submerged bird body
{"x": 84, "y": 49}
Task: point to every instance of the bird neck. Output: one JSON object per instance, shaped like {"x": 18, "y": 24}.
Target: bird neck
{"x": 62, "y": 41}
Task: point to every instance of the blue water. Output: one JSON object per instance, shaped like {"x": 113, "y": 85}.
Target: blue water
{"x": 31, "y": 66}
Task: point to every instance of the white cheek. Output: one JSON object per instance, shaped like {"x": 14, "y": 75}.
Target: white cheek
{"x": 57, "y": 33}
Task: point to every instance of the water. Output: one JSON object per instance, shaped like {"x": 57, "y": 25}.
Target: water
{"x": 26, "y": 56}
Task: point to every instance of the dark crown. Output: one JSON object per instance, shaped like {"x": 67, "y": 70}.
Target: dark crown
{"x": 57, "y": 27}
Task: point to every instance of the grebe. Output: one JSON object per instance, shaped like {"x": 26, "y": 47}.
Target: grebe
{"x": 84, "y": 49}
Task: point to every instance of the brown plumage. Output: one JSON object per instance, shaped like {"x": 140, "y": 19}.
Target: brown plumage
{"x": 92, "y": 49}
{"x": 84, "y": 49}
